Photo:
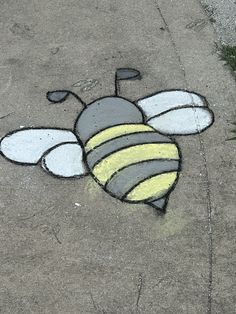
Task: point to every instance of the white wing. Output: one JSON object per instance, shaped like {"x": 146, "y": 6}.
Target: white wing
{"x": 59, "y": 150}
{"x": 27, "y": 146}
{"x": 65, "y": 160}
{"x": 177, "y": 112}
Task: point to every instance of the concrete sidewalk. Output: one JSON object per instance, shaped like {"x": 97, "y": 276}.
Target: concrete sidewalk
{"x": 65, "y": 245}
{"x": 223, "y": 15}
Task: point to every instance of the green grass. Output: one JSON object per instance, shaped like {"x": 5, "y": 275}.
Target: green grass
{"x": 228, "y": 54}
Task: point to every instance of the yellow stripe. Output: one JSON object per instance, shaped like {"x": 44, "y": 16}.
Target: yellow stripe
{"x": 154, "y": 187}
{"x": 114, "y": 132}
{"x": 127, "y": 156}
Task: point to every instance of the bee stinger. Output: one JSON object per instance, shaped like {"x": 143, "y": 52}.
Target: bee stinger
{"x": 127, "y": 147}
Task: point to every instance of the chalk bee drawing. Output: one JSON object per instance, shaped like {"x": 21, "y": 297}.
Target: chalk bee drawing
{"x": 126, "y": 146}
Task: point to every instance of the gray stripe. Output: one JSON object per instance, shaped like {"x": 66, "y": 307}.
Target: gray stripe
{"x": 104, "y": 113}
{"x": 122, "y": 142}
{"x": 124, "y": 180}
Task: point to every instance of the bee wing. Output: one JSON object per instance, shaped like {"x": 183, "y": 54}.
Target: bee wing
{"x": 27, "y": 146}
{"x": 177, "y": 112}
{"x": 59, "y": 150}
{"x": 65, "y": 160}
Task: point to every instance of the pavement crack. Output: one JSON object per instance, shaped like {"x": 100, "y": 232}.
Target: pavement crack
{"x": 55, "y": 232}
{"x": 203, "y": 152}
{"x": 56, "y": 237}
{"x": 171, "y": 39}
{"x": 210, "y": 234}
{"x": 140, "y": 287}
{"x": 209, "y": 212}
{"x": 93, "y": 302}
{"x": 7, "y": 115}
{"x": 96, "y": 307}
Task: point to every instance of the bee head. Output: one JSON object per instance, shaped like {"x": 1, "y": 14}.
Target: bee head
{"x": 104, "y": 113}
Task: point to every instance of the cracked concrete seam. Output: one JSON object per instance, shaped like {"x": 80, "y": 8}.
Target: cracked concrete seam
{"x": 202, "y": 148}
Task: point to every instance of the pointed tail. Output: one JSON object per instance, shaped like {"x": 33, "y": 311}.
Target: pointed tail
{"x": 159, "y": 204}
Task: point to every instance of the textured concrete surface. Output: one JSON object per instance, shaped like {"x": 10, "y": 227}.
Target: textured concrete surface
{"x": 65, "y": 245}
{"x": 223, "y": 15}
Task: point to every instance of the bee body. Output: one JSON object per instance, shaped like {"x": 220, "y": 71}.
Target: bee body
{"x": 128, "y": 158}
{"x": 119, "y": 143}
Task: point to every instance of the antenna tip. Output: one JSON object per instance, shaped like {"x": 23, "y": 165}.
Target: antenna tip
{"x": 57, "y": 96}
{"x": 127, "y": 74}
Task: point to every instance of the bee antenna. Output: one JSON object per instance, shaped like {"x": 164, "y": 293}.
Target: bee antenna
{"x": 125, "y": 74}
{"x": 78, "y": 98}
{"x": 59, "y": 96}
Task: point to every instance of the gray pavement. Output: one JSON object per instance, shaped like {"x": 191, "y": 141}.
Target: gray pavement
{"x": 223, "y": 15}
{"x": 65, "y": 245}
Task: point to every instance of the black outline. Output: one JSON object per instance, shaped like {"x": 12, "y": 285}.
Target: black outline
{"x": 46, "y": 169}
{"x": 136, "y": 77}
{"x": 66, "y": 96}
{"x": 117, "y": 87}
{"x": 184, "y": 106}
{"x": 31, "y": 128}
